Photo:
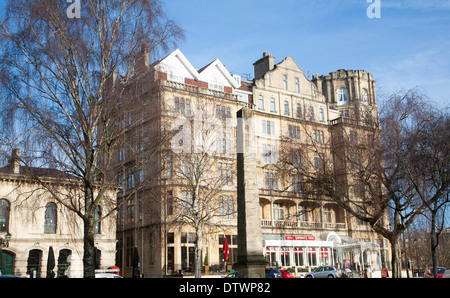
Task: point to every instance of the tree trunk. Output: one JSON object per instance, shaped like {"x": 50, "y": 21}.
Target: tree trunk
{"x": 89, "y": 234}
{"x": 433, "y": 244}
{"x": 396, "y": 259}
{"x": 198, "y": 254}
{"x": 89, "y": 245}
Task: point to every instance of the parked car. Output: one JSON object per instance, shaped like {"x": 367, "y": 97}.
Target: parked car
{"x": 324, "y": 272}
{"x": 232, "y": 274}
{"x": 272, "y": 273}
{"x": 107, "y": 275}
{"x": 286, "y": 274}
{"x": 440, "y": 272}
{"x": 446, "y": 273}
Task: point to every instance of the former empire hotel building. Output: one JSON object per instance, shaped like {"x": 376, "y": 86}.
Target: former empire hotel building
{"x": 291, "y": 112}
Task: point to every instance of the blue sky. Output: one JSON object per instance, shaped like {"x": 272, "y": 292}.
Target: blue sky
{"x": 409, "y": 46}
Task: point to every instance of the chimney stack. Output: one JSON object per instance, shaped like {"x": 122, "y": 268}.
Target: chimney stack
{"x": 14, "y": 162}
{"x": 142, "y": 61}
{"x": 263, "y": 65}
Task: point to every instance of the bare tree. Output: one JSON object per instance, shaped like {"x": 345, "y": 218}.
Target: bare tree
{"x": 206, "y": 192}
{"x": 414, "y": 176}
{"x": 366, "y": 168}
{"x": 429, "y": 170}
{"x": 55, "y": 72}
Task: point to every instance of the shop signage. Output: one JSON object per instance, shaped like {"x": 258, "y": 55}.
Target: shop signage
{"x": 300, "y": 237}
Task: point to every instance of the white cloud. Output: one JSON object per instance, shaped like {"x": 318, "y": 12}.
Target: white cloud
{"x": 417, "y": 4}
{"x": 427, "y": 69}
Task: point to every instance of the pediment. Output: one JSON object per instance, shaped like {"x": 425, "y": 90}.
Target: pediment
{"x": 215, "y": 72}
{"x": 176, "y": 63}
{"x": 289, "y": 63}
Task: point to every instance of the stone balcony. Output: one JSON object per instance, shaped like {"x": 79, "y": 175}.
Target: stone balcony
{"x": 292, "y": 224}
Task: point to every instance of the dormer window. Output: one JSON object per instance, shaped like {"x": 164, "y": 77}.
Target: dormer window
{"x": 342, "y": 96}
{"x": 174, "y": 78}
{"x": 215, "y": 86}
{"x": 237, "y": 79}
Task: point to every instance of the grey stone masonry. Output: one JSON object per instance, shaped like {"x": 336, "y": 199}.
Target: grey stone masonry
{"x": 251, "y": 262}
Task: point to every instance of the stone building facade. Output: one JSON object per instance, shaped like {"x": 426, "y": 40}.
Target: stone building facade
{"x": 200, "y": 105}
{"x": 35, "y": 221}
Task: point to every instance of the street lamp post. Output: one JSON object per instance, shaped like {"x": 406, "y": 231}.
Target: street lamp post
{"x": 417, "y": 256}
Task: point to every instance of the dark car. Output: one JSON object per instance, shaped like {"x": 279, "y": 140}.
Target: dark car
{"x": 272, "y": 273}
{"x": 232, "y": 274}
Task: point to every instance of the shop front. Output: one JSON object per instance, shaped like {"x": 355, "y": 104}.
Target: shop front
{"x": 307, "y": 251}
{"x": 297, "y": 251}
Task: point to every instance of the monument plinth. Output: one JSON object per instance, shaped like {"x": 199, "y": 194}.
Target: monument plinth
{"x": 251, "y": 262}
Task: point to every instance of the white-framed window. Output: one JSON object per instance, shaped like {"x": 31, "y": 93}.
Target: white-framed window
{"x": 215, "y": 86}
{"x": 364, "y": 96}
{"x": 311, "y": 113}
{"x": 237, "y": 79}
{"x": 268, "y": 127}
{"x": 327, "y": 215}
{"x": 175, "y": 78}
{"x": 317, "y": 161}
{"x": 222, "y": 112}
{"x": 225, "y": 173}
{"x": 182, "y": 106}
{"x": 271, "y": 181}
{"x": 261, "y": 102}
{"x": 272, "y": 104}
{"x": 278, "y": 211}
{"x": 295, "y": 157}
{"x": 318, "y": 136}
{"x": 226, "y": 207}
{"x": 286, "y": 107}
{"x": 294, "y": 132}
{"x": 342, "y": 96}
{"x": 223, "y": 142}
{"x": 303, "y": 213}
{"x": 269, "y": 154}
{"x": 297, "y": 85}
{"x": 187, "y": 202}
{"x": 285, "y": 83}
{"x": 297, "y": 183}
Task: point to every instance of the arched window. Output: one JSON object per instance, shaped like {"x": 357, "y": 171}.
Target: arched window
{"x": 34, "y": 263}
{"x": 4, "y": 215}
{"x": 64, "y": 262}
{"x": 98, "y": 215}
{"x": 50, "y": 219}
{"x": 342, "y": 96}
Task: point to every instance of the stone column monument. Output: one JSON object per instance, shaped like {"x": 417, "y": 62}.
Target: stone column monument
{"x": 251, "y": 262}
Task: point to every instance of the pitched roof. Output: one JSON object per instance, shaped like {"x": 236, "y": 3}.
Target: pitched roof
{"x": 40, "y": 172}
